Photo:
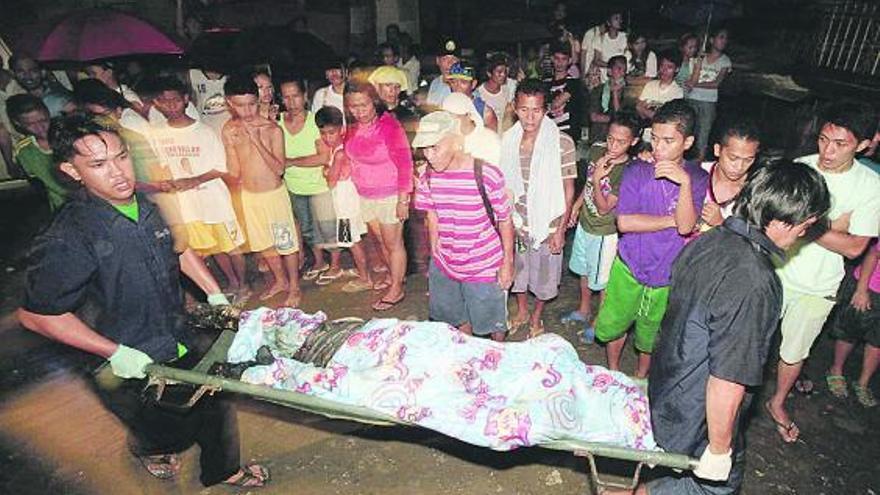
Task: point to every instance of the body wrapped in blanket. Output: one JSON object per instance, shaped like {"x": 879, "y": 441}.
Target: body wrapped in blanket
{"x": 497, "y": 395}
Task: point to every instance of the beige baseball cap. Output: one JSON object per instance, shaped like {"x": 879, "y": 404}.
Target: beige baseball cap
{"x": 433, "y": 127}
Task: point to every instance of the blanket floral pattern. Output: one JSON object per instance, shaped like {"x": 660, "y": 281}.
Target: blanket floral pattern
{"x": 501, "y": 396}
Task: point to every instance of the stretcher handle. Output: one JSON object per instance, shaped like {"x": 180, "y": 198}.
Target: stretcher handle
{"x": 602, "y": 483}
{"x": 161, "y": 383}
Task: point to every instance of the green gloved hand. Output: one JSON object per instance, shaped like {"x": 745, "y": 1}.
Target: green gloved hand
{"x": 129, "y": 363}
{"x": 218, "y": 299}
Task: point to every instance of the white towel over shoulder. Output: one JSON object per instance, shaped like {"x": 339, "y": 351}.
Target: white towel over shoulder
{"x": 545, "y": 199}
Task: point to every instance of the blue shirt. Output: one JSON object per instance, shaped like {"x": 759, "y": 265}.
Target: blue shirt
{"x": 127, "y": 270}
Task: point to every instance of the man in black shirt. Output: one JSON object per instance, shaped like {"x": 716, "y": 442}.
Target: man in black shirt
{"x": 567, "y": 103}
{"x": 110, "y": 248}
{"x": 724, "y": 304}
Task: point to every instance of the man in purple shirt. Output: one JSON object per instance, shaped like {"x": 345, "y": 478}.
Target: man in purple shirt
{"x": 660, "y": 204}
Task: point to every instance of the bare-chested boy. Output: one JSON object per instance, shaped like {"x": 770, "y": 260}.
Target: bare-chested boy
{"x": 255, "y": 154}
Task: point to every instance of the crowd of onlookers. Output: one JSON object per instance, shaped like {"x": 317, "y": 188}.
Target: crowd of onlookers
{"x": 498, "y": 158}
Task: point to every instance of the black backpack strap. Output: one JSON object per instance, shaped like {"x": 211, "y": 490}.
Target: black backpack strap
{"x": 478, "y": 175}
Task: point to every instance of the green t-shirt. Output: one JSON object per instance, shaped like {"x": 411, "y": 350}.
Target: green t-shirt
{"x": 130, "y": 210}
{"x": 40, "y": 165}
{"x": 589, "y": 217}
{"x": 306, "y": 181}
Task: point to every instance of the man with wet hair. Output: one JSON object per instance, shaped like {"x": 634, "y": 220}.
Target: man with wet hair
{"x": 724, "y": 301}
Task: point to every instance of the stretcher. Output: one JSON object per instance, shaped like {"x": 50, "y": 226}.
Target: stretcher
{"x": 162, "y": 376}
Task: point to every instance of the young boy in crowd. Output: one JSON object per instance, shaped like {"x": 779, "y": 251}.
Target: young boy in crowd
{"x": 463, "y": 79}
{"x": 255, "y": 159}
{"x": 659, "y": 206}
{"x": 32, "y": 153}
{"x": 566, "y": 92}
{"x": 735, "y": 151}
{"x": 350, "y": 227}
{"x": 857, "y": 319}
{"x": 194, "y": 155}
{"x": 595, "y": 241}
{"x": 607, "y": 99}
{"x": 470, "y": 231}
{"x": 661, "y": 90}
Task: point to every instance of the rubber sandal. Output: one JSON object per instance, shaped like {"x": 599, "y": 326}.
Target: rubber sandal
{"x": 783, "y": 429}
{"x": 381, "y": 285}
{"x": 574, "y": 317}
{"x": 804, "y": 385}
{"x": 386, "y": 305}
{"x": 162, "y": 466}
{"x": 837, "y": 386}
{"x": 588, "y": 336}
{"x": 356, "y": 285}
{"x": 514, "y": 325}
{"x": 326, "y": 279}
{"x": 250, "y": 476}
{"x": 536, "y": 330}
{"x": 314, "y": 273}
{"x": 864, "y": 395}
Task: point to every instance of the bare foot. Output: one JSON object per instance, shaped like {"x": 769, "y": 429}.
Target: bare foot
{"x": 293, "y": 299}
{"x": 272, "y": 291}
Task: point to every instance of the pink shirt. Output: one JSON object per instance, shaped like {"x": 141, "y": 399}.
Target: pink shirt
{"x": 874, "y": 283}
{"x": 381, "y": 161}
{"x": 468, "y": 248}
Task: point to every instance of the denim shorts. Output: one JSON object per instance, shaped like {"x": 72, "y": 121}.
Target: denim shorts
{"x": 482, "y": 304}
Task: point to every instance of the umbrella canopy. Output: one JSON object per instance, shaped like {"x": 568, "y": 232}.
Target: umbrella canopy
{"x": 102, "y": 33}
{"x": 303, "y": 54}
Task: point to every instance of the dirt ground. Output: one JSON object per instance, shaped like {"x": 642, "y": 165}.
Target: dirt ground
{"x": 56, "y": 438}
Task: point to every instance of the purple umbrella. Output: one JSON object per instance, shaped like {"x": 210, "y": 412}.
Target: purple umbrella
{"x": 98, "y": 33}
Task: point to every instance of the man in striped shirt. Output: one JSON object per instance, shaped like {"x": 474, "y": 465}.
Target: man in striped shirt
{"x": 470, "y": 230}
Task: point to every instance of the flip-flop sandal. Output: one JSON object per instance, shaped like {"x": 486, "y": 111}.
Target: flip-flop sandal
{"x": 356, "y": 285}
{"x": 804, "y": 385}
{"x": 326, "y": 279}
{"x": 162, "y": 466}
{"x": 536, "y": 330}
{"x": 574, "y": 317}
{"x": 250, "y": 476}
{"x": 837, "y": 386}
{"x": 381, "y": 285}
{"x": 864, "y": 396}
{"x": 783, "y": 429}
{"x": 386, "y": 305}
{"x": 314, "y": 273}
{"x": 515, "y": 325}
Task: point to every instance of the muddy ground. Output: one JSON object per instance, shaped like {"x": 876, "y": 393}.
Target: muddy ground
{"x": 55, "y": 437}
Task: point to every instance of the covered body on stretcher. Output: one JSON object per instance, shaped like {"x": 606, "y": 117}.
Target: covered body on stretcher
{"x": 497, "y": 395}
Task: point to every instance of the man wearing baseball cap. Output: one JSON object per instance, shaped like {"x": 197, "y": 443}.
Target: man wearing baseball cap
{"x": 472, "y": 256}
{"x": 479, "y": 142}
{"x": 447, "y": 54}
{"x": 463, "y": 79}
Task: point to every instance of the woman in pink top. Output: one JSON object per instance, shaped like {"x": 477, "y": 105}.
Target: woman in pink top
{"x": 382, "y": 170}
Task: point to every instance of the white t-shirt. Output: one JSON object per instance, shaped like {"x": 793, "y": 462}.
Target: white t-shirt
{"x": 326, "y": 97}
{"x": 655, "y": 95}
{"x": 608, "y": 47}
{"x": 191, "y": 151}
{"x": 413, "y": 69}
{"x": 498, "y": 101}
{"x": 484, "y": 144}
{"x": 812, "y": 269}
{"x": 650, "y": 63}
{"x": 209, "y": 99}
{"x": 708, "y": 73}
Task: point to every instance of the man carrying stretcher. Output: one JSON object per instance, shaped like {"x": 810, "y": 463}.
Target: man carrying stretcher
{"x": 724, "y": 303}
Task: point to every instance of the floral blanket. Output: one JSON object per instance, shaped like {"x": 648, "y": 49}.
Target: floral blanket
{"x": 497, "y": 395}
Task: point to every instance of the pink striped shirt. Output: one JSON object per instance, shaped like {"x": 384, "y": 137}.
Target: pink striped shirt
{"x": 468, "y": 248}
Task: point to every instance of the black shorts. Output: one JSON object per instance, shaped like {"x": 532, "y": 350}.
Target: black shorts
{"x": 848, "y": 324}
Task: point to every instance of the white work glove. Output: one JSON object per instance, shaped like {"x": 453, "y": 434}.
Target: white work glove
{"x": 714, "y": 467}
{"x": 218, "y": 299}
{"x": 129, "y": 363}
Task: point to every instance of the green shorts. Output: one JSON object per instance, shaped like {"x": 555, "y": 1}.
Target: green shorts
{"x": 626, "y": 302}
